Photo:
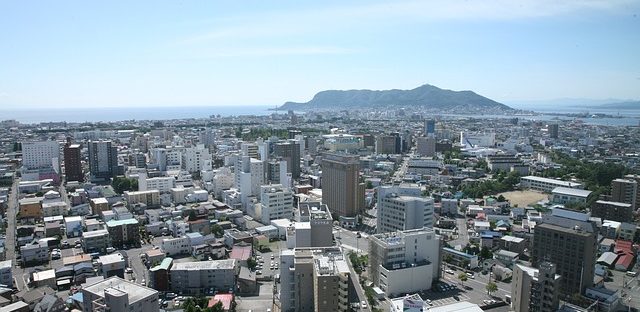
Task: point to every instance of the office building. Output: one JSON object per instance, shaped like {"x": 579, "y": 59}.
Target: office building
{"x": 426, "y": 146}
{"x": 196, "y": 278}
{"x": 117, "y": 294}
{"x": 569, "y": 240}
{"x": 430, "y": 127}
{"x": 313, "y": 279}
{"x": 553, "y": 130}
{"x": 290, "y": 152}
{"x": 276, "y": 202}
{"x": 342, "y": 191}
{"x": 387, "y": 144}
{"x": 103, "y": 160}
{"x": 313, "y": 226}
{"x": 72, "y": 162}
{"x": 196, "y": 159}
{"x": 615, "y": 211}
{"x": 403, "y": 208}
{"x": 624, "y": 191}
{"x": 249, "y": 175}
{"x": 535, "y": 289}
{"x": 405, "y": 261}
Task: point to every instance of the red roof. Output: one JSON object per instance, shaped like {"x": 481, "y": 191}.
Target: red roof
{"x": 241, "y": 253}
{"x": 224, "y": 298}
{"x": 625, "y": 260}
{"x": 623, "y": 246}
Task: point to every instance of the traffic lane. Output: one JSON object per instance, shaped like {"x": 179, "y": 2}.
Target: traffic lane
{"x": 350, "y": 240}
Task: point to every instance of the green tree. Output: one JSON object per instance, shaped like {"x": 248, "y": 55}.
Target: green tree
{"x": 217, "y": 230}
{"x": 252, "y": 263}
{"x": 122, "y": 184}
{"x": 491, "y": 288}
{"x": 485, "y": 253}
{"x": 463, "y": 278}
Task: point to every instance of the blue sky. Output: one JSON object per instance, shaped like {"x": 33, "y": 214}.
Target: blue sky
{"x": 159, "y": 53}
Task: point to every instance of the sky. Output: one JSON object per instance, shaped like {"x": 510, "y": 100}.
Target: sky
{"x": 256, "y": 52}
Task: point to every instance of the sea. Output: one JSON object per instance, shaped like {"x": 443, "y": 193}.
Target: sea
{"x": 629, "y": 117}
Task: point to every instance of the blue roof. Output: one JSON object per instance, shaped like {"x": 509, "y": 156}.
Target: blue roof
{"x": 459, "y": 253}
{"x": 193, "y": 235}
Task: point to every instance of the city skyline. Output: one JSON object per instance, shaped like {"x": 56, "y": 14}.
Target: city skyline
{"x": 75, "y": 54}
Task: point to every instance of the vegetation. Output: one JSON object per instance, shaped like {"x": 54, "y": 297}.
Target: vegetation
{"x": 252, "y": 263}
{"x": 463, "y": 278}
{"x": 502, "y": 182}
{"x": 358, "y": 262}
{"x": 200, "y": 304}
{"x": 491, "y": 288}
{"x": 485, "y": 253}
{"x": 122, "y": 184}
{"x": 217, "y": 230}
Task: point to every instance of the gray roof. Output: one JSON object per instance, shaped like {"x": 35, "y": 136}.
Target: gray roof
{"x": 571, "y": 191}
{"x": 568, "y": 224}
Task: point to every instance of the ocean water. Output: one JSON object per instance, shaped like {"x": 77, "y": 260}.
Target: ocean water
{"x": 127, "y": 113}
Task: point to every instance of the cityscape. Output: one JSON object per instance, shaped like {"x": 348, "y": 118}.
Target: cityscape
{"x": 210, "y": 157}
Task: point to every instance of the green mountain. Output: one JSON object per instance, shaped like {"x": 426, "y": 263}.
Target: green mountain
{"x": 426, "y": 96}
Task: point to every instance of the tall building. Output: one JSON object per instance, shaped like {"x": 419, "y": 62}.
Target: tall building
{"x": 402, "y": 208}
{"x": 72, "y": 162}
{"x": 569, "y": 240}
{"x": 535, "y": 289}
{"x": 553, "y": 130}
{"x": 196, "y": 159}
{"x": 636, "y": 178}
{"x": 404, "y": 262}
{"x": 290, "y": 152}
{"x": 37, "y": 155}
{"x": 624, "y": 191}
{"x": 341, "y": 189}
{"x": 388, "y": 144}
{"x": 313, "y": 279}
{"x": 116, "y": 294}
{"x": 313, "y": 226}
{"x": 426, "y": 146}
{"x": 429, "y": 127}
{"x": 103, "y": 160}
{"x": 615, "y": 211}
{"x": 276, "y": 202}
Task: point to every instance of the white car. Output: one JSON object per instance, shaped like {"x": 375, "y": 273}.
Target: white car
{"x": 363, "y": 305}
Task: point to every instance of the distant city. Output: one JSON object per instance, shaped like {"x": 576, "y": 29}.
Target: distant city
{"x": 381, "y": 209}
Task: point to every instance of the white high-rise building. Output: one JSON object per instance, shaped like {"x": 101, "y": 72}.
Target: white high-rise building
{"x": 276, "y": 202}
{"x": 44, "y": 154}
{"x": 402, "y": 208}
{"x": 404, "y": 262}
{"x": 196, "y": 159}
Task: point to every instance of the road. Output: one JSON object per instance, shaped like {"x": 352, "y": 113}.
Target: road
{"x": 356, "y": 283}
{"x": 463, "y": 236}
{"x": 349, "y": 240}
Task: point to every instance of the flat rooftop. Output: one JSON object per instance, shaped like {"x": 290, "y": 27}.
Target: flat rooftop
{"x": 205, "y": 265}
{"x": 136, "y": 292}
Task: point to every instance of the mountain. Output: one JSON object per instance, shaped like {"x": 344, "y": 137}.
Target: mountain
{"x": 426, "y": 96}
{"x": 621, "y": 105}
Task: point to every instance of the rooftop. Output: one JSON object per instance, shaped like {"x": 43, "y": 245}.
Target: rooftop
{"x": 205, "y": 265}
{"x": 571, "y": 191}
{"x": 136, "y": 292}
{"x": 112, "y": 223}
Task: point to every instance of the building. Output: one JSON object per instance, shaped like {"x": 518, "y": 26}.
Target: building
{"x": 342, "y": 191}
{"x": 460, "y": 258}
{"x": 624, "y": 191}
{"x": 112, "y": 265}
{"x": 565, "y": 195}
{"x": 569, "y": 240}
{"x": 424, "y": 166}
{"x": 426, "y": 146}
{"x": 249, "y": 175}
{"x": 55, "y": 208}
{"x": 637, "y": 179}
{"x": 429, "y": 127}
{"x": 502, "y": 162}
{"x": 30, "y": 208}
{"x": 99, "y": 204}
{"x": 162, "y": 184}
{"x": 553, "y": 130}
{"x": 159, "y": 275}
{"x": 116, "y": 294}
{"x": 535, "y": 289}
{"x": 37, "y": 252}
{"x": 124, "y": 232}
{"x": 96, "y": 241}
{"x": 176, "y": 246}
{"x": 103, "y": 160}
{"x": 387, "y": 144}
{"x": 194, "y": 278}
{"x": 402, "y": 208}
{"x": 149, "y": 198}
{"x": 290, "y": 152}
{"x": 405, "y": 261}
{"x": 196, "y": 159}
{"x": 73, "y": 162}
{"x": 609, "y": 210}
{"x": 313, "y": 279}
{"x": 38, "y": 155}
{"x": 276, "y": 203}
{"x": 6, "y": 277}
{"x": 474, "y": 140}
{"x": 314, "y": 225}
{"x": 545, "y": 184}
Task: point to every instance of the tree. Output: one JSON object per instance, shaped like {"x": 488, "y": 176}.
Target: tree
{"x": 501, "y": 198}
{"x": 463, "y": 278}
{"x": 122, "y": 184}
{"x": 485, "y": 253}
{"x": 491, "y": 288}
{"x": 217, "y": 230}
{"x": 252, "y": 263}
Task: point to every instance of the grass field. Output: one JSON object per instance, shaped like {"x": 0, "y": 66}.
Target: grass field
{"x": 524, "y": 198}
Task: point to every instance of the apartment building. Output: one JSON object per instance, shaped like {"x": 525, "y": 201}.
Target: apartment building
{"x": 124, "y": 232}
{"x": 404, "y": 261}
{"x": 624, "y": 191}
{"x": 150, "y": 198}
{"x": 195, "y": 278}
{"x": 117, "y": 294}
{"x": 610, "y": 210}
{"x": 313, "y": 279}
{"x": 96, "y": 241}
{"x": 290, "y": 152}
{"x": 103, "y": 160}
{"x": 73, "y": 162}
{"x": 43, "y": 154}
{"x": 535, "y": 289}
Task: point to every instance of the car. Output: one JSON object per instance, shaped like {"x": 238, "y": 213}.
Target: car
{"x": 632, "y": 273}
{"x": 143, "y": 282}
{"x": 258, "y": 272}
{"x": 272, "y": 257}
{"x": 363, "y": 304}
{"x": 171, "y": 295}
{"x": 471, "y": 275}
{"x": 449, "y": 271}
{"x": 110, "y": 249}
{"x": 65, "y": 244}
{"x": 128, "y": 270}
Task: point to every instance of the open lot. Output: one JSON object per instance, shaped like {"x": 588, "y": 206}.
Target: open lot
{"x": 524, "y": 198}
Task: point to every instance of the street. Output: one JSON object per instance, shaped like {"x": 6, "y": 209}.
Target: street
{"x": 10, "y": 240}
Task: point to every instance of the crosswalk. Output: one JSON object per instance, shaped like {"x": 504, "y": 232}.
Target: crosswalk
{"x": 448, "y": 300}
